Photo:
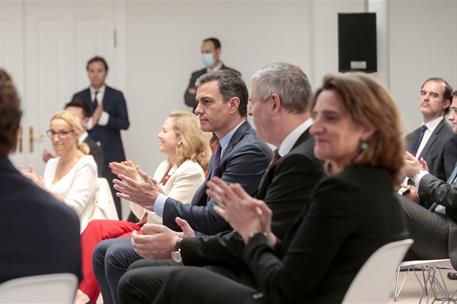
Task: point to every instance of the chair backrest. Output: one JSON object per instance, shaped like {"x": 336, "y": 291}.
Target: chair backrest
{"x": 374, "y": 282}
{"x": 105, "y": 208}
{"x": 48, "y": 288}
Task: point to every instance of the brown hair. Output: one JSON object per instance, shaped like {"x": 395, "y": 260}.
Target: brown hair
{"x": 10, "y": 114}
{"x": 369, "y": 104}
{"x": 193, "y": 144}
{"x": 75, "y": 124}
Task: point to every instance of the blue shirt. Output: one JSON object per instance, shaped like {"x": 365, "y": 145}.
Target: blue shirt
{"x": 159, "y": 203}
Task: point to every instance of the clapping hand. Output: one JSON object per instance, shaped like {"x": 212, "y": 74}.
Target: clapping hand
{"x": 127, "y": 168}
{"x": 33, "y": 176}
{"x": 244, "y": 213}
{"x": 143, "y": 192}
{"x": 158, "y": 241}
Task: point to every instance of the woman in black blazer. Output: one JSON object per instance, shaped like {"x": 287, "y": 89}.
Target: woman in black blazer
{"x": 352, "y": 213}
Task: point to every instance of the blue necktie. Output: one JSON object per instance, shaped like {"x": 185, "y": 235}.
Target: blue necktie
{"x": 418, "y": 140}
{"x": 450, "y": 180}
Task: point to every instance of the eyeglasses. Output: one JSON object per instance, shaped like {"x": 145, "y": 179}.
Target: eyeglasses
{"x": 60, "y": 134}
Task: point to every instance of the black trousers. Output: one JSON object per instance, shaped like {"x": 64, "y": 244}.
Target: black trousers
{"x": 164, "y": 281}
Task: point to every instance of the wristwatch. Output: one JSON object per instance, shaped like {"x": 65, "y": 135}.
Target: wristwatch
{"x": 176, "y": 254}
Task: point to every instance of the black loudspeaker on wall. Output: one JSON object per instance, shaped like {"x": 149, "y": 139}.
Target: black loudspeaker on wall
{"x": 357, "y": 42}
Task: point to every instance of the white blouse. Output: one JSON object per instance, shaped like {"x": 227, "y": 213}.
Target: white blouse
{"x": 78, "y": 186}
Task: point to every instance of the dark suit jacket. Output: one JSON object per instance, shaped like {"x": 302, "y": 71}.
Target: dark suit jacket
{"x": 433, "y": 189}
{"x": 286, "y": 188}
{"x": 189, "y": 99}
{"x": 440, "y": 155}
{"x": 109, "y": 136}
{"x": 244, "y": 161}
{"x": 97, "y": 153}
{"x": 350, "y": 216}
{"x": 46, "y": 237}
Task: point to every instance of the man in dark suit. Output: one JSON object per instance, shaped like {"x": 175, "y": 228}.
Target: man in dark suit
{"x": 108, "y": 117}
{"x": 46, "y": 238}
{"x": 211, "y": 57}
{"x": 434, "y": 229}
{"x": 279, "y": 102}
{"x": 240, "y": 158}
{"x": 431, "y": 140}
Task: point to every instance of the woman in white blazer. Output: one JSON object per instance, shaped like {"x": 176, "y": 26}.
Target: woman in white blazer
{"x": 187, "y": 153}
{"x": 72, "y": 175}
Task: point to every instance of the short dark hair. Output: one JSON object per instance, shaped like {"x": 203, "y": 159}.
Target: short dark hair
{"x": 230, "y": 85}
{"x": 78, "y": 103}
{"x": 454, "y": 94}
{"x": 97, "y": 59}
{"x": 447, "y": 94}
{"x": 10, "y": 114}
{"x": 215, "y": 41}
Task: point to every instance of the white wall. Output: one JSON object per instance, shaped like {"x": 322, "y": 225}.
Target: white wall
{"x": 163, "y": 47}
{"x": 422, "y": 44}
{"x": 159, "y": 44}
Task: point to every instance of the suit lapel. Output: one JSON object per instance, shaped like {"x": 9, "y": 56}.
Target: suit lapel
{"x": 412, "y": 139}
{"x": 267, "y": 177}
{"x": 200, "y": 194}
{"x": 237, "y": 136}
{"x": 433, "y": 138}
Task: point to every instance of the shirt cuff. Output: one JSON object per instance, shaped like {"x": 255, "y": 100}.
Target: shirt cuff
{"x": 90, "y": 124}
{"x": 103, "y": 120}
{"x": 160, "y": 204}
{"x": 418, "y": 177}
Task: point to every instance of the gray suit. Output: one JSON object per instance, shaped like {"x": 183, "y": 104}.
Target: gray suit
{"x": 434, "y": 234}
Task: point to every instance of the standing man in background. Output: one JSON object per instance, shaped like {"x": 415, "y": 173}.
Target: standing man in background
{"x": 108, "y": 117}
{"x": 211, "y": 57}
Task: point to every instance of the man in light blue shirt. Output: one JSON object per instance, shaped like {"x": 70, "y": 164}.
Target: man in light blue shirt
{"x": 222, "y": 98}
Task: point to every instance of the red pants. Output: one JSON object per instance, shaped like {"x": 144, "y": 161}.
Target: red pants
{"x": 96, "y": 231}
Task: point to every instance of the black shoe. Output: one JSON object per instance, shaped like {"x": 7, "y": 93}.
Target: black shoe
{"x": 452, "y": 275}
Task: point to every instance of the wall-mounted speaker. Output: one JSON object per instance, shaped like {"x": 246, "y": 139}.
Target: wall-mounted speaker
{"x": 357, "y": 42}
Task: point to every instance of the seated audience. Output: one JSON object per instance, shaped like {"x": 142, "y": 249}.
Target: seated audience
{"x": 433, "y": 226}
{"x": 41, "y": 233}
{"x": 352, "y": 212}
{"x": 240, "y": 157}
{"x": 72, "y": 175}
{"x": 81, "y": 110}
{"x": 187, "y": 152}
{"x": 279, "y": 105}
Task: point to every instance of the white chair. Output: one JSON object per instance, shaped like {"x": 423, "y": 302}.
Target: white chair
{"x": 104, "y": 203}
{"x": 373, "y": 283}
{"x": 48, "y": 288}
{"x": 429, "y": 277}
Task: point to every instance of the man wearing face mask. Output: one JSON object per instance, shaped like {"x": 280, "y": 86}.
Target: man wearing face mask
{"x": 211, "y": 57}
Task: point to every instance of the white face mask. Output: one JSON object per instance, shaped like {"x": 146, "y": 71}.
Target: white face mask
{"x": 208, "y": 59}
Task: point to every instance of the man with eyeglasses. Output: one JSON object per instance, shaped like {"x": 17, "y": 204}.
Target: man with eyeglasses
{"x": 80, "y": 109}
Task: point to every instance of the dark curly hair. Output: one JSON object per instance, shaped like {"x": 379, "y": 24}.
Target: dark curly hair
{"x": 10, "y": 114}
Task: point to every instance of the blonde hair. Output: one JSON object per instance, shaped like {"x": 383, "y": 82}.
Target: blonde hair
{"x": 369, "y": 104}
{"x": 192, "y": 144}
{"x": 75, "y": 124}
